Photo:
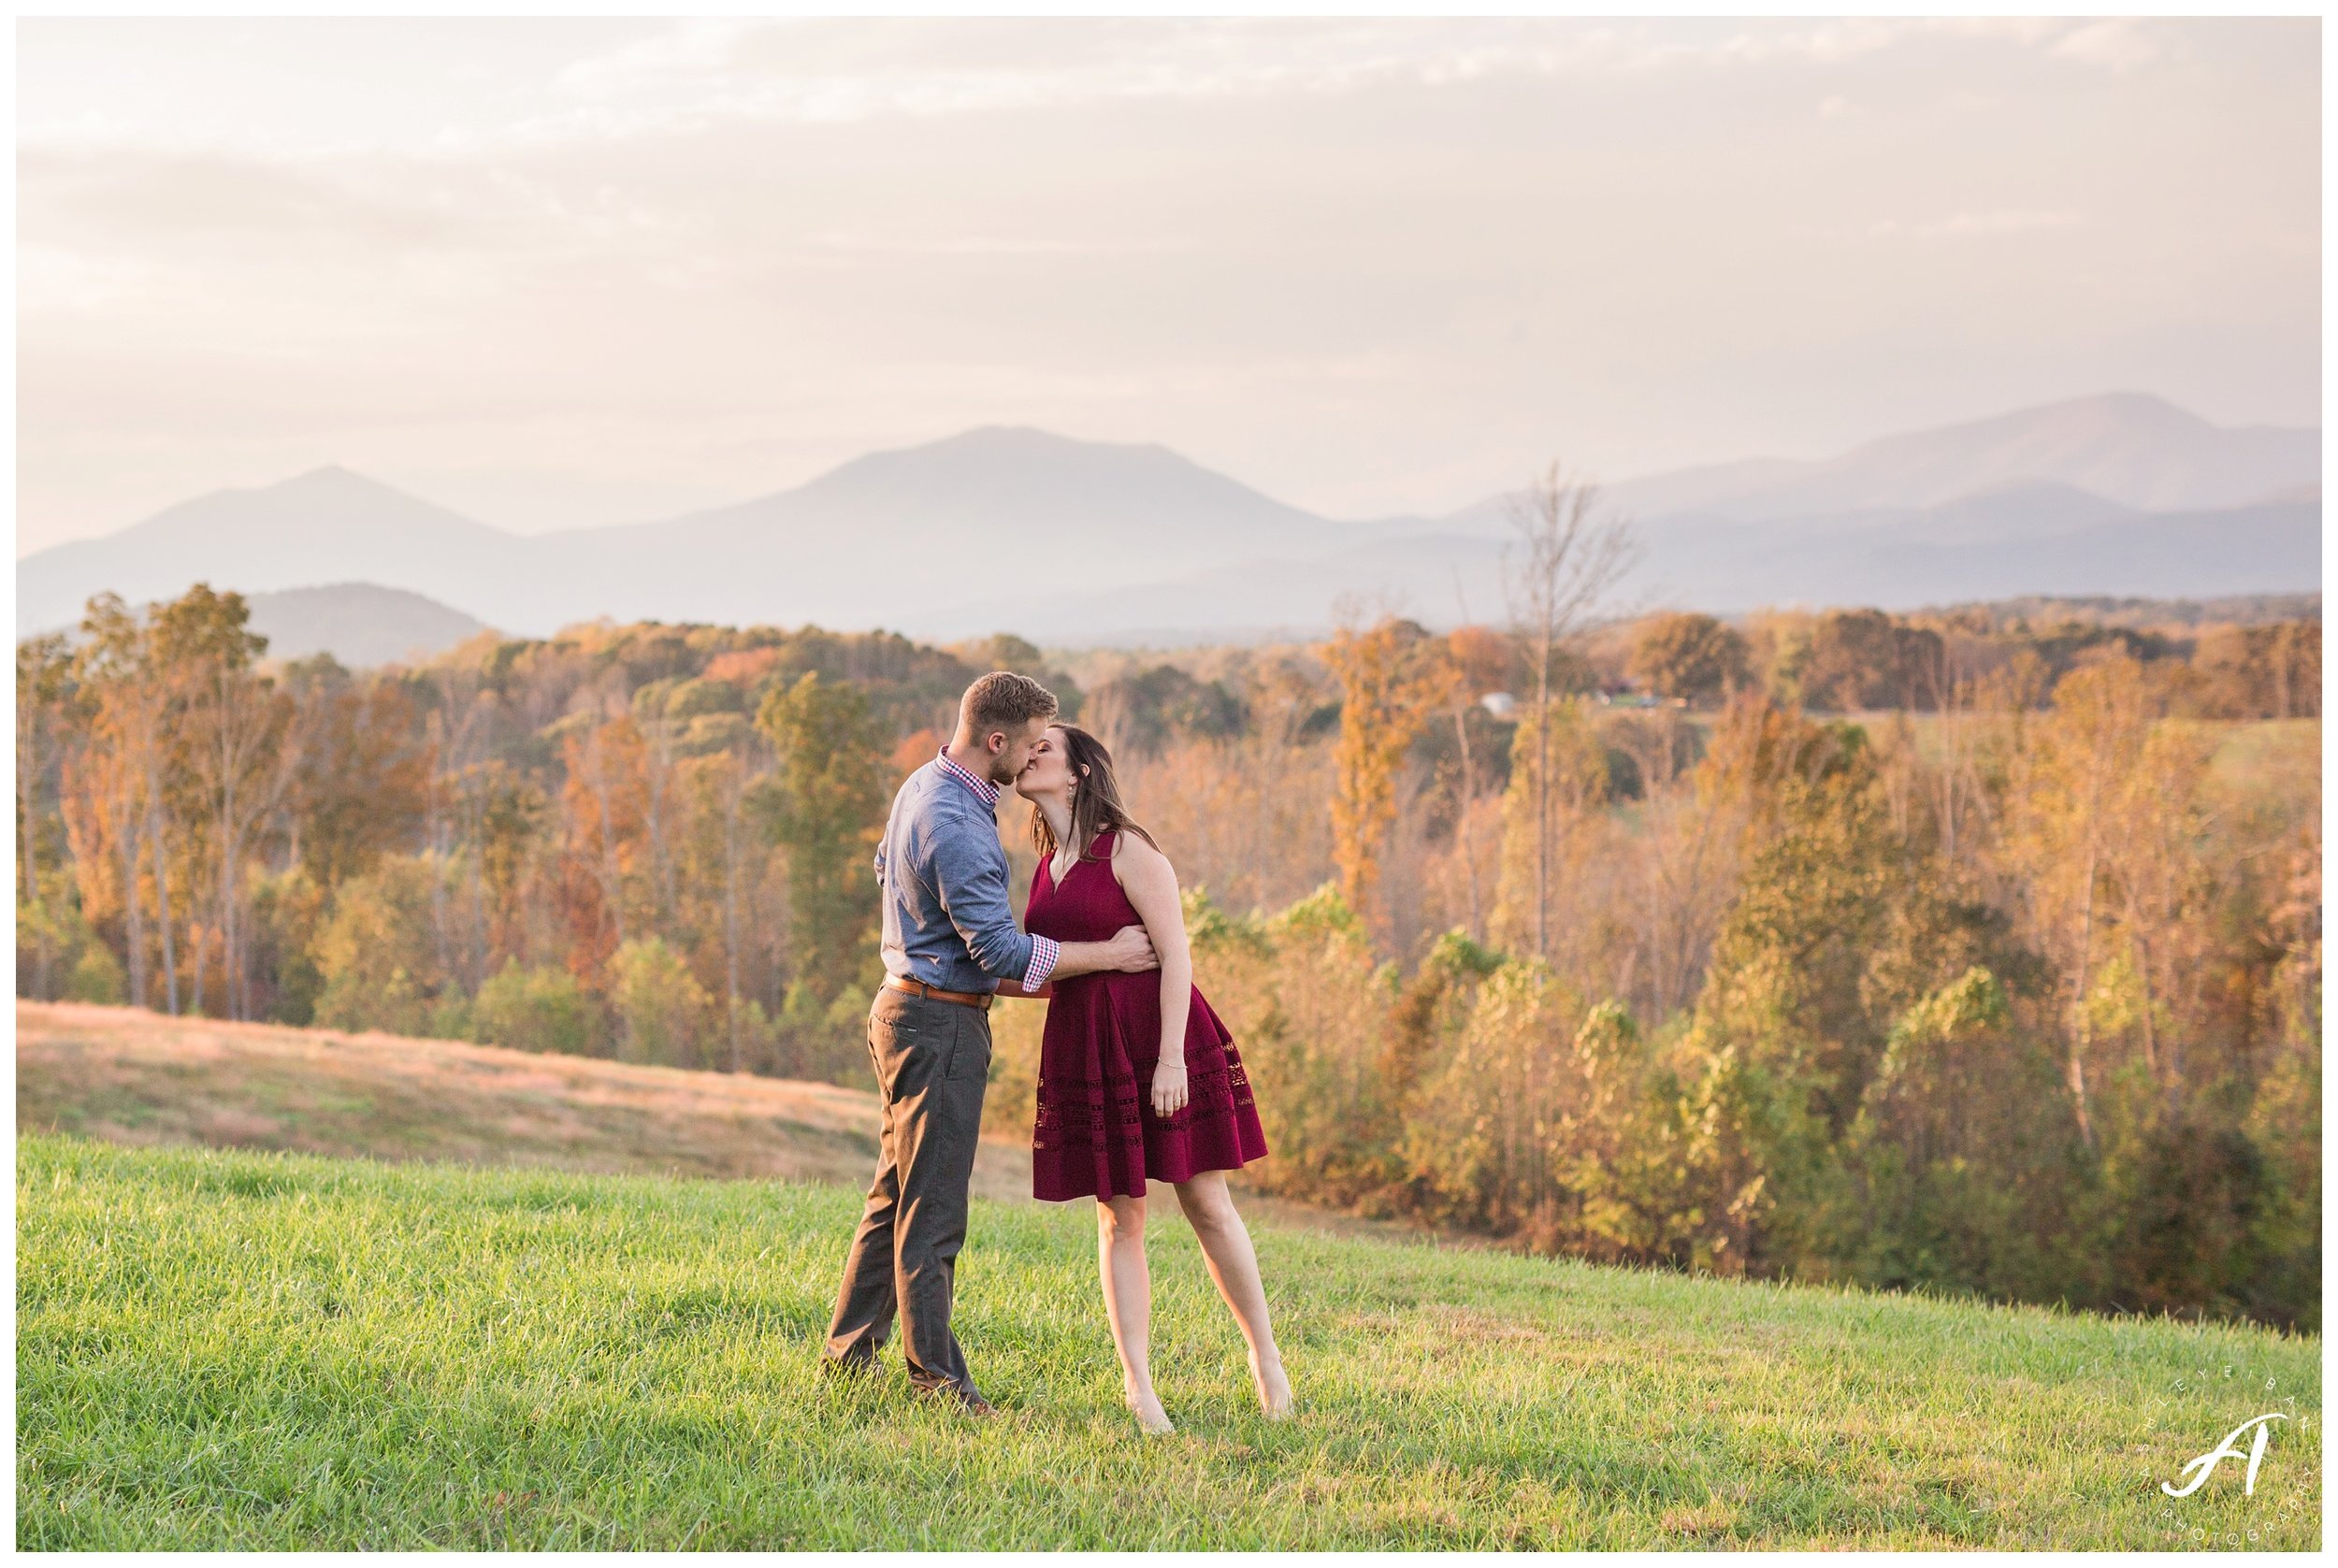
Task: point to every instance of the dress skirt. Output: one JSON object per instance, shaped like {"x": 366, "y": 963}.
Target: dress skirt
{"x": 1097, "y": 1134}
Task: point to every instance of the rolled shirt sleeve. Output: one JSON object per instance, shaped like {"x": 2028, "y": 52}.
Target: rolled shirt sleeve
{"x": 971, "y": 885}
{"x": 1043, "y": 953}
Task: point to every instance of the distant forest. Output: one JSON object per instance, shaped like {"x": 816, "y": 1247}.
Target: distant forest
{"x": 1975, "y": 950}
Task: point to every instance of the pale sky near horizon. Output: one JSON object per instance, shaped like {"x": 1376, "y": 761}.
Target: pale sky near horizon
{"x": 585, "y": 271}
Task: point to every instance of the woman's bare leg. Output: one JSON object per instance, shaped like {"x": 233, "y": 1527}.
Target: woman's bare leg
{"x": 1128, "y": 1304}
{"x": 1234, "y": 1264}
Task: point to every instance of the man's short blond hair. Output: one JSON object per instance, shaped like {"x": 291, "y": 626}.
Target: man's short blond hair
{"x": 1002, "y": 700}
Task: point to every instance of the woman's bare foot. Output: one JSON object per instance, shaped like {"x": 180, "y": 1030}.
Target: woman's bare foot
{"x": 1146, "y": 1406}
{"x": 1274, "y": 1388}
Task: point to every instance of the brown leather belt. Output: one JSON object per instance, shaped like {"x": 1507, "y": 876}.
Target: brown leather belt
{"x": 919, "y": 988}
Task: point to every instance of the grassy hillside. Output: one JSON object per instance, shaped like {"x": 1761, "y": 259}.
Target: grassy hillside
{"x": 125, "y": 1075}
{"x": 130, "y": 1076}
{"x": 238, "y": 1350}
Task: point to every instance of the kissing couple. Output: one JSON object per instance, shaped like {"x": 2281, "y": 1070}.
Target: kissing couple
{"x": 1105, "y": 947}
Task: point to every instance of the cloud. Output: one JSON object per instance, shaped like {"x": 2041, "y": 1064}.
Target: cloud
{"x": 687, "y": 53}
{"x": 830, "y": 71}
{"x": 824, "y": 71}
{"x": 985, "y": 245}
{"x": 95, "y": 195}
{"x": 547, "y": 85}
{"x": 1964, "y": 225}
{"x": 2119, "y": 45}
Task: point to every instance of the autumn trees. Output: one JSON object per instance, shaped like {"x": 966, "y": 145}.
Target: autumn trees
{"x": 237, "y": 755}
{"x": 2013, "y": 989}
{"x": 2004, "y": 999}
{"x": 1694, "y": 657}
{"x": 587, "y": 842}
{"x": 169, "y": 752}
{"x": 1392, "y": 678}
{"x": 827, "y": 806}
{"x": 2274, "y": 672}
{"x": 43, "y": 675}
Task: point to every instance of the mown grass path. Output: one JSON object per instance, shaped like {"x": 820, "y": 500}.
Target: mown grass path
{"x": 220, "y": 1349}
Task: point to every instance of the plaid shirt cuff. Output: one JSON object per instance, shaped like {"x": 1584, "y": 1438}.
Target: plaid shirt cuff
{"x": 1043, "y": 954}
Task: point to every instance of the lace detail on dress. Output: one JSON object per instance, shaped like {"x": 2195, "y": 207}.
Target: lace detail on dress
{"x": 1075, "y": 1113}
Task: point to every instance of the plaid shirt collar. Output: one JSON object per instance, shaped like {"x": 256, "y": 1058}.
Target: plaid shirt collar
{"x": 987, "y": 791}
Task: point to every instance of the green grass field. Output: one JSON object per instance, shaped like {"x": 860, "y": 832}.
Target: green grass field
{"x": 234, "y": 1350}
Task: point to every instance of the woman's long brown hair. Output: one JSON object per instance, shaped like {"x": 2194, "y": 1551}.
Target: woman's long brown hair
{"x": 1095, "y": 796}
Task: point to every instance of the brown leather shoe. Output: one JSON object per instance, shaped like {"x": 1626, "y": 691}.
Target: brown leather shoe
{"x": 961, "y": 1396}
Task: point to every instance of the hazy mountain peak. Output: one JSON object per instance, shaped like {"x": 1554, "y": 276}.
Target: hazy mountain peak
{"x": 332, "y": 479}
{"x": 1009, "y": 528}
{"x": 329, "y": 484}
{"x": 1023, "y": 437}
{"x": 2110, "y": 416}
{"x": 1037, "y": 455}
{"x": 2134, "y": 448}
{"x": 2126, "y": 407}
{"x": 360, "y": 624}
{"x": 2139, "y": 412}
{"x": 989, "y": 515}
{"x": 1030, "y": 489}
{"x": 324, "y": 525}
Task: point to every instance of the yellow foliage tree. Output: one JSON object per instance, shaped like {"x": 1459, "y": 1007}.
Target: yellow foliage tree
{"x": 1392, "y": 680}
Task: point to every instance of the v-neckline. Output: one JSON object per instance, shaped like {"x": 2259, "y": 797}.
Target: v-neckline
{"x": 1057, "y": 881}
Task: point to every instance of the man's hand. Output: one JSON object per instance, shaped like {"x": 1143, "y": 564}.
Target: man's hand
{"x": 1132, "y": 950}
{"x": 1129, "y": 951}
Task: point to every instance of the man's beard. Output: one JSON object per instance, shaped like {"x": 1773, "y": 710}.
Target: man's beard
{"x": 1000, "y": 773}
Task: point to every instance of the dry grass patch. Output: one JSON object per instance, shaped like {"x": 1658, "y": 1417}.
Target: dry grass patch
{"x": 135, "y": 1077}
{"x": 125, "y": 1075}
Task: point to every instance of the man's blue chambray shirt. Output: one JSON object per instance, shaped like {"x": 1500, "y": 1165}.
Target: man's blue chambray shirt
{"x": 947, "y": 921}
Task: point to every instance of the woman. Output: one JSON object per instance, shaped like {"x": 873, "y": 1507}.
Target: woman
{"x": 1115, "y": 1108}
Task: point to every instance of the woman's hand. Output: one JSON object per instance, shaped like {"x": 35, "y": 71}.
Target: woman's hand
{"x": 1151, "y": 886}
{"x": 1169, "y": 1089}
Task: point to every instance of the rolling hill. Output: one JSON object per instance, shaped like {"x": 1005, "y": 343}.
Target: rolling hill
{"x": 1080, "y": 542}
{"x": 993, "y": 516}
{"x": 2140, "y": 452}
{"x": 438, "y": 1297}
{"x": 127, "y": 1075}
{"x": 360, "y": 624}
{"x": 2029, "y": 539}
{"x": 327, "y": 526}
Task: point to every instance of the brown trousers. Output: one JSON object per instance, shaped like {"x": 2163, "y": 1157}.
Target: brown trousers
{"x": 933, "y": 1061}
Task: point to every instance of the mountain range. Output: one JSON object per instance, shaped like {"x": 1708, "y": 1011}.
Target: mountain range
{"x": 1068, "y": 541}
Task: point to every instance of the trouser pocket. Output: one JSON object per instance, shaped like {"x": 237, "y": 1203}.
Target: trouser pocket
{"x": 970, "y": 1047}
{"x": 898, "y": 1029}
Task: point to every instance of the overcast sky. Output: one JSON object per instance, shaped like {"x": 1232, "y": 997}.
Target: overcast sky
{"x": 564, "y": 272}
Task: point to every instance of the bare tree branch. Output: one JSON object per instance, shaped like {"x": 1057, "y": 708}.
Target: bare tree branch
{"x": 1570, "y": 558}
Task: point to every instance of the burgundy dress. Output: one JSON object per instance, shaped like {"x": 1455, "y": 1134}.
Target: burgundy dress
{"x": 1097, "y": 1133}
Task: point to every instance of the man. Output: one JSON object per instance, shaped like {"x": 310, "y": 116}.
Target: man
{"x": 949, "y": 939}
